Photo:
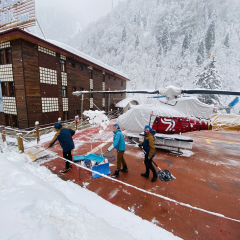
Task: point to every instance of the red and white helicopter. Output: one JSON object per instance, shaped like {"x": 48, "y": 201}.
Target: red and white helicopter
{"x": 169, "y": 116}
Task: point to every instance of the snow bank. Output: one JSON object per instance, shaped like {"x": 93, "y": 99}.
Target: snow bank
{"x": 36, "y": 204}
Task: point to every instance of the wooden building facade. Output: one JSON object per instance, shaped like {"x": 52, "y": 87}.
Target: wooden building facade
{"x": 38, "y": 78}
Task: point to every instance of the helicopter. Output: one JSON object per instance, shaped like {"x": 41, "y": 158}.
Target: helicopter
{"x": 170, "y": 115}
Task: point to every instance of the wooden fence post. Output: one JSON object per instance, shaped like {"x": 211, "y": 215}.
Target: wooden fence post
{"x": 111, "y": 114}
{"x": 3, "y": 135}
{"x": 76, "y": 122}
{"x": 20, "y": 142}
{"x": 118, "y": 112}
{"x": 37, "y": 131}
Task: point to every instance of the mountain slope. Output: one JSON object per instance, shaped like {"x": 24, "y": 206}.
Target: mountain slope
{"x": 163, "y": 42}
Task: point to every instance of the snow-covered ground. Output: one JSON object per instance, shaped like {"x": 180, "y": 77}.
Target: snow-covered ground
{"x": 36, "y": 204}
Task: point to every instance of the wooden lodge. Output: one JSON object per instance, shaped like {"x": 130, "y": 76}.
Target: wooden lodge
{"x": 38, "y": 77}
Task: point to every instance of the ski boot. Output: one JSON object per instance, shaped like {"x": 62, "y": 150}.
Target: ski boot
{"x": 145, "y": 175}
{"x": 124, "y": 169}
{"x": 116, "y": 174}
{"x": 154, "y": 178}
{"x": 65, "y": 170}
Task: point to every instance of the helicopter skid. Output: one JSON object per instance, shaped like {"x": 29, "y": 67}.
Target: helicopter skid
{"x": 174, "y": 141}
{"x": 169, "y": 140}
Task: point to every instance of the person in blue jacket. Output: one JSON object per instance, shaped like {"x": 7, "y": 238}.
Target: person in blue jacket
{"x": 64, "y": 136}
{"x": 119, "y": 144}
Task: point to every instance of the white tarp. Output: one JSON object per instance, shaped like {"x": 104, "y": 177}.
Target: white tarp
{"x": 138, "y": 116}
{"x": 125, "y": 102}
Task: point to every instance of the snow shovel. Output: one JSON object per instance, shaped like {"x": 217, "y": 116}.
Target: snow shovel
{"x": 33, "y": 156}
{"x": 101, "y": 168}
{"x": 165, "y": 174}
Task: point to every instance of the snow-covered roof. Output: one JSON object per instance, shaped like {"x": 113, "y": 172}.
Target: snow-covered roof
{"x": 64, "y": 47}
{"x": 85, "y": 56}
{"x": 125, "y": 102}
{"x": 138, "y": 116}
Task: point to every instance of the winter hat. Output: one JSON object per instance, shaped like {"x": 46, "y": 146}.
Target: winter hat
{"x": 116, "y": 125}
{"x": 58, "y": 126}
{"x": 147, "y": 127}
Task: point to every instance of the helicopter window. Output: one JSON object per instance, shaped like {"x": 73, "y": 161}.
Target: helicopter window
{"x": 180, "y": 120}
{"x": 184, "y": 124}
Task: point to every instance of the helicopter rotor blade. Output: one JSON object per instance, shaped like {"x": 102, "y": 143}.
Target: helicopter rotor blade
{"x": 77, "y": 93}
{"x": 204, "y": 91}
{"x": 189, "y": 91}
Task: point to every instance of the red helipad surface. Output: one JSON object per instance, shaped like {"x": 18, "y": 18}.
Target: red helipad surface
{"x": 207, "y": 177}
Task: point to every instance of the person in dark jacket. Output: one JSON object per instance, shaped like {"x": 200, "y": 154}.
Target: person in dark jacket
{"x": 64, "y": 136}
{"x": 149, "y": 148}
{"x": 119, "y": 144}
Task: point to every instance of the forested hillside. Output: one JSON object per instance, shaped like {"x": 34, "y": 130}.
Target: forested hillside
{"x": 165, "y": 42}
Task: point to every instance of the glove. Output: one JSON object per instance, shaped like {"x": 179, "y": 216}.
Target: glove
{"x": 140, "y": 145}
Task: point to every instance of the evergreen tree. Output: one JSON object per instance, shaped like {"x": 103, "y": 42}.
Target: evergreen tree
{"x": 186, "y": 42}
{"x": 200, "y": 56}
{"x": 144, "y": 21}
{"x": 226, "y": 42}
{"x": 209, "y": 79}
{"x": 124, "y": 35}
{"x": 165, "y": 40}
{"x": 210, "y": 37}
{"x": 137, "y": 41}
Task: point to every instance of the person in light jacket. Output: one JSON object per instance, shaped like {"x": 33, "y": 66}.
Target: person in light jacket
{"x": 119, "y": 144}
{"x": 64, "y": 136}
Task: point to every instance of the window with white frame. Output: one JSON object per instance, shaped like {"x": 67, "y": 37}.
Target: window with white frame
{"x": 48, "y": 76}
{"x": 50, "y": 105}
{"x": 6, "y": 73}
{"x": 9, "y": 105}
{"x": 91, "y": 83}
{"x": 47, "y": 51}
{"x": 65, "y": 104}
{"x": 5, "y": 45}
{"x": 64, "y": 78}
{"x": 63, "y": 57}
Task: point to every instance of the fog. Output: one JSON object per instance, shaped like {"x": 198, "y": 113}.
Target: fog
{"x": 84, "y": 11}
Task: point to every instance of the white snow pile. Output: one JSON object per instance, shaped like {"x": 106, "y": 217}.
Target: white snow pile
{"x": 97, "y": 118}
{"x": 35, "y": 204}
{"x": 170, "y": 92}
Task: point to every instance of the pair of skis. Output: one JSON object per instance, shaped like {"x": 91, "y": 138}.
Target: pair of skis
{"x": 165, "y": 174}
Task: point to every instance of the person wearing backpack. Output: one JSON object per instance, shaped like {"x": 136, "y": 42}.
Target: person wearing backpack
{"x": 119, "y": 144}
{"x": 149, "y": 148}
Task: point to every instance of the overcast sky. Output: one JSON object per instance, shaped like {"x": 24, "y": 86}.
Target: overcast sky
{"x": 85, "y": 11}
